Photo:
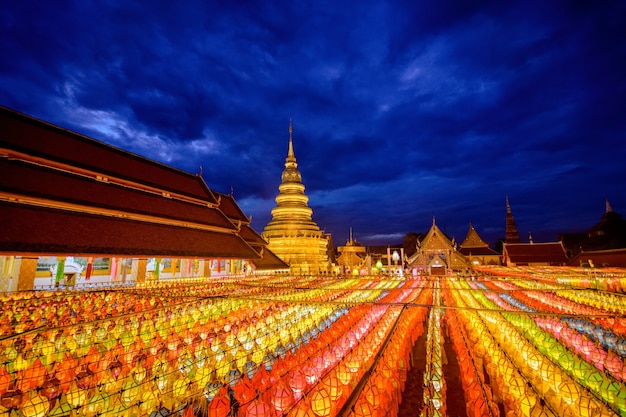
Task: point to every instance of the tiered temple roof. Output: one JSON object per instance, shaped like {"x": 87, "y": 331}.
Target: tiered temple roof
{"x": 436, "y": 250}
{"x": 267, "y": 259}
{"x": 64, "y": 193}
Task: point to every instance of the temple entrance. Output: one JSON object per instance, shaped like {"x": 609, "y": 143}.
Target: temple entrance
{"x": 437, "y": 270}
{"x": 438, "y": 264}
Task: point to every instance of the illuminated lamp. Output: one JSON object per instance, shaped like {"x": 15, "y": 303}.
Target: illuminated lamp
{"x": 51, "y": 388}
{"x": 568, "y": 392}
{"x": 211, "y": 388}
{"x": 76, "y": 397}
{"x": 344, "y": 375}
{"x": 233, "y": 375}
{"x": 311, "y": 374}
{"x": 61, "y": 409}
{"x": 282, "y": 397}
{"x": 364, "y": 409}
{"x": 297, "y": 382}
{"x": 587, "y": 408}
{"x": 526, "y": 404}
{"x": 148, "y": 401}
{"x": 332, "y": 385}
{"x": 372, "y": 395}
{"x": 220, "y": 405}
{"x": 611, "y": 390}
{"x": 268, "y": 361}
{"x": 130, "y": 393}
{"x": 250, "y": 367}
{"x": 302, "y": 410}
{"x": 259, "y": 408}
{"x": 97, "y": 404}
{"x": 437, "y": 399}
{"x": 244, "y": 390}
{"x": 35, "y": 406}
{"x": 320, "y": 402}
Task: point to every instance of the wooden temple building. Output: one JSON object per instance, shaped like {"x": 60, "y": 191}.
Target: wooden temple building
{"x": 65, "y": 197}
{"x": 477, "y": 250}
{"x": 437, "y": 255}
{"x": 353, "y": 257}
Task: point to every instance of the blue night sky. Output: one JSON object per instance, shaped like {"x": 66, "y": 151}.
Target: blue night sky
{"x": 401, "y": 110}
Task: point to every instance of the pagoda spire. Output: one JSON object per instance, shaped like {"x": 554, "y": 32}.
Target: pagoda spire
{"x": 291, "y": 156}
{"x": 511, "y": 233}
{"x": 608, "y": 206}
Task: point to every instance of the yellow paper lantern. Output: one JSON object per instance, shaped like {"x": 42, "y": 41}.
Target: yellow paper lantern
{"x": 320, "y": 402}
{"x": 36, "y": 406}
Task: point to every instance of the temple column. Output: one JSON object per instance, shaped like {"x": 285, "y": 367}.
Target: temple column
{"x": 26, "y": 277}
{"x": 139, "y": 270}
{"x": 9, "y": 268}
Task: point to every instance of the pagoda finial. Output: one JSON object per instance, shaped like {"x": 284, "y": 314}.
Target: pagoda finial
{"x": 508, "y": 206}
{"x": 350, "y": 233}
{"x": 608, "y": 206}
{"x": 290, "y": 155}
{"x": 433, "y": 220}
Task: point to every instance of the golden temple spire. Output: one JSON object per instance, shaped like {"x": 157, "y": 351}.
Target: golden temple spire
{"x": 292, "y": 234}
{"x": 291, "y": 157}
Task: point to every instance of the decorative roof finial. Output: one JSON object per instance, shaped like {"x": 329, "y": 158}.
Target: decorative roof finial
{"x": 290, "y": 155}
{"x": 608, "y": 206}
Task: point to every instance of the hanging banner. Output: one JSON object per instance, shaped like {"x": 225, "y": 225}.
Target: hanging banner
{"x": 113, "y": 269}
{"x": 60, "y": 270}
{"x": 89, "y": 269}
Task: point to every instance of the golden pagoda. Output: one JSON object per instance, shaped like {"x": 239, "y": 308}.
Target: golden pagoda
{"x": 292, "y": 234}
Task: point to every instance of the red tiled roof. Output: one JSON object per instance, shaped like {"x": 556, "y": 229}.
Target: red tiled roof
{"x": 249, "y": 235}
{"x": 478, "y": 251}
{"x": 35, "y": 137}
{"x": 36, "y": 230}
{"x": 269, "y": 260}
{"x": 43, "y": 182}
{"x": 230, "y": 208}
{"x": 525, "y": 253}
{"x": 63, "y": 193}
{"x": 601, "y": 258}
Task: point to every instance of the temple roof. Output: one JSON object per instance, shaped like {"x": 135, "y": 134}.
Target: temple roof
{"x": 601, "y": 258}
{"x": 33, "y": 230}
{"x": 266, "y": 260}
{"x": 475, "y": 245}
{"x": 63, "y": 193}
{"x": 527, "y": 253}
{"x": 37, "y": 138}
{"x": 473, "y": 240}
{"x": 269, "y": 261}
{"x": 230, "y": 208}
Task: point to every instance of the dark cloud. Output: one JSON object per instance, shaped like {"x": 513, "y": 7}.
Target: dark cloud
{"x": 402, "y": 112}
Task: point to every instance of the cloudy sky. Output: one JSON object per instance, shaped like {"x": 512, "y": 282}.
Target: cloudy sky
{"x": 402, "y": 111}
